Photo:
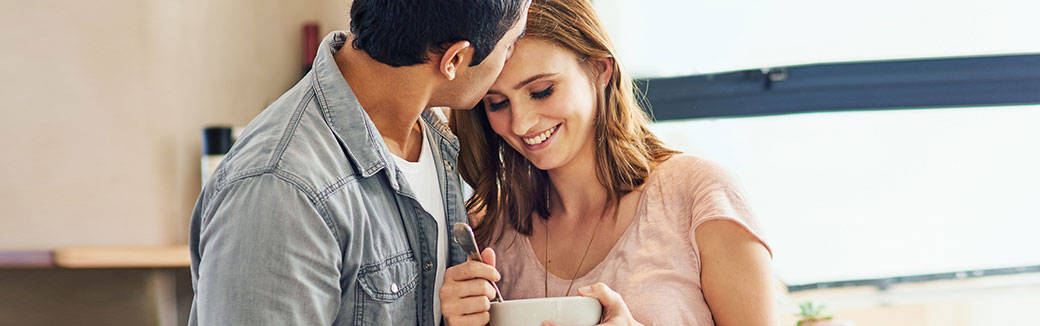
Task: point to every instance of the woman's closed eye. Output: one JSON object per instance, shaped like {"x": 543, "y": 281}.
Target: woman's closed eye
{"x": 542, "y": 93}
{"x": 495, "y": 106}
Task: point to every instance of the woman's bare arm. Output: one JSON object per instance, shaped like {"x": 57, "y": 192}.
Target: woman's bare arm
{"x": 736, "y": 276}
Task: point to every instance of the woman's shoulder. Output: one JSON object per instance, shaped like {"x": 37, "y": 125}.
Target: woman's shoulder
{"x": 694, "y": 188}
{"x": 699, "y": 190}
{"x": 688, "y": 172}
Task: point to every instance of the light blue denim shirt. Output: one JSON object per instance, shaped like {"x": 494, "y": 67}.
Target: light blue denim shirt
{"x": 308, "y": 222}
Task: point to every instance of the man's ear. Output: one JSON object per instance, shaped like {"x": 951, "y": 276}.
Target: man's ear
{"x": 604, "y": 69}
{"x": 457, "y": 55}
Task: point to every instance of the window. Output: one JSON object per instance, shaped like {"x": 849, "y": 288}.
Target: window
{"x": 875, "y": 194}
{"x": 876, "y": 139}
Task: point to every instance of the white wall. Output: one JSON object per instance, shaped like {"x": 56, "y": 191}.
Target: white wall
{"x": 103, "y": 104}
{"x": 104, "y": 101}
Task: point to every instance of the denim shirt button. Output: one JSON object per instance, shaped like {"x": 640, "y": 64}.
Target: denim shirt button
{"x": 447, "y": 165}
{"x": 394, "y": 288}
{"x": 428, "y": 266}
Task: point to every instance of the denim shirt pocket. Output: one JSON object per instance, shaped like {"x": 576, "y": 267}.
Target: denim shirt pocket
{"x": 388, "y": 291}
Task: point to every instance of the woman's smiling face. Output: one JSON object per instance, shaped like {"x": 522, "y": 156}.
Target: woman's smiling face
{"x": 544, "y": 103}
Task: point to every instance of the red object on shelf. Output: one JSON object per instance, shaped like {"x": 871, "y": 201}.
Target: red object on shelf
{"x": 310, "y": 45}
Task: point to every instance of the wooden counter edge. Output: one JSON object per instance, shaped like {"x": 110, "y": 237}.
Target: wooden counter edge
{"x": 123, "y": 257}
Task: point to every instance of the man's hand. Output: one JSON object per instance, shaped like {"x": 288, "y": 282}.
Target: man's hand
{"x": 466, "y": 294}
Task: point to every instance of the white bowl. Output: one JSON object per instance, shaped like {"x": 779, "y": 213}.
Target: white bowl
{"x": 564, "y": 311}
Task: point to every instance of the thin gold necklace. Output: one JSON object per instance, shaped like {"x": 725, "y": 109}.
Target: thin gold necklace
{"x": 580, "y": 262}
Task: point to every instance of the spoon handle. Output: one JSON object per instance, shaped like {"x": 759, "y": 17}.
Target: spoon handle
{"x": 464, "y": 237}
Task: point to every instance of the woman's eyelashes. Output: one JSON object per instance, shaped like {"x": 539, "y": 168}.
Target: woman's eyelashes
{"x": 495, "y": 106}
{"x": 542, "y": 93}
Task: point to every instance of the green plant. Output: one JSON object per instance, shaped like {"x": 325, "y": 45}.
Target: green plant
{"x": 811, "y": 312}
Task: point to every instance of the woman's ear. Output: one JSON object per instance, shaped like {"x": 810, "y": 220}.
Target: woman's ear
{"x": 457, "y": 55}
{"x": 604, "y": 68}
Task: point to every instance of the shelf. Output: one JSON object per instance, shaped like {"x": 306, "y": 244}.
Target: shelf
{"x": 122, "y": 257}
{"x": 98, "y": 257}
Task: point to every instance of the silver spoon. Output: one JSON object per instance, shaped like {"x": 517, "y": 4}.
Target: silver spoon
{"x": 464, "y": 237}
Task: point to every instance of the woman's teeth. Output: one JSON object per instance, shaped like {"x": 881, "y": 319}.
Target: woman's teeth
{"x": 540, "y": 138}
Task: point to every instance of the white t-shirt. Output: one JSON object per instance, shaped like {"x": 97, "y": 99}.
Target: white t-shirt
{"x": 422, "y": 178}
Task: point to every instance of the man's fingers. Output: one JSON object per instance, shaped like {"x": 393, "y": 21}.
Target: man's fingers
{"x": 466, "y": 294}
{"x": 478, "y": 319}
{"x": 471, "y": 270}
{"x": 468, "y": 306}
{"x": 465, "y": 289}
{"x": 475, "y": 287}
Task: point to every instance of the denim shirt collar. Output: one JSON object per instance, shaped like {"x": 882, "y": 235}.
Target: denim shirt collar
{"x": 351, "y": 125}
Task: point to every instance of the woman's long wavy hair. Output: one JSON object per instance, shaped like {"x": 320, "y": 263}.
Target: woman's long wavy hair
{"x": 506, "y": 185}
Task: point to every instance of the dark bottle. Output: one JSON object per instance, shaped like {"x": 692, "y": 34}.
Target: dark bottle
{"x": 216, "y": 142}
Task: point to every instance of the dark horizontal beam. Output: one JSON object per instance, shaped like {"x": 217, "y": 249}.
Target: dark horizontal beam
{"x": 885, "y": 283}
{"x": 903, "y": 84}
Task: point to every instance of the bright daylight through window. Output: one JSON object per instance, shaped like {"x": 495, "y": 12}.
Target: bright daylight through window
{"x": 874, "y": 193}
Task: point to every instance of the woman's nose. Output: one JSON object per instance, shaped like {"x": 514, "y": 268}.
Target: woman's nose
{"x": 523, "y": 120}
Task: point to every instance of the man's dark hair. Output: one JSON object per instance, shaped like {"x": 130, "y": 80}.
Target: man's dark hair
{"x": 403, "y": 32}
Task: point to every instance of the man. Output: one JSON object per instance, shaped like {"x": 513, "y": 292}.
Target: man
{"x": 333, "y": 207}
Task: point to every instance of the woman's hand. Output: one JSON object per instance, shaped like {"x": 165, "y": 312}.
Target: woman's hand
{"x": 466, "y": 294}
{"x": 615, "y": 311}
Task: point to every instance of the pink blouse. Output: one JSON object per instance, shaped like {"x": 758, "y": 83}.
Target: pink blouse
{"x": 654, "y": 265}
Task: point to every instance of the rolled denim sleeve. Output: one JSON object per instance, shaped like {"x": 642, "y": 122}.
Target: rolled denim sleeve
{"x": 266, "y": 257}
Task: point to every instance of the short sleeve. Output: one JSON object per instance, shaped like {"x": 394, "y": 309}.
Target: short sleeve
{"x": 711, "y": 193}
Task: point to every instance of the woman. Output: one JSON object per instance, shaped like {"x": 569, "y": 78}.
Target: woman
{"x": 578, "y": 197}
